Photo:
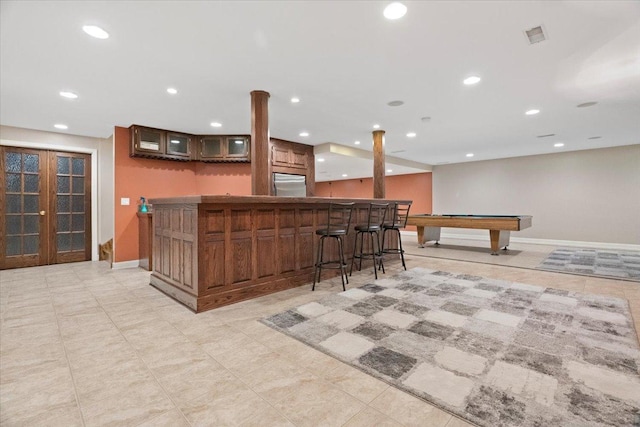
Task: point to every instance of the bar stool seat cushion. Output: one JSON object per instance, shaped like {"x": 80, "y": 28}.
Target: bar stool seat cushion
{"x": 331, "y": 231}
{"x": 365, "y": 227}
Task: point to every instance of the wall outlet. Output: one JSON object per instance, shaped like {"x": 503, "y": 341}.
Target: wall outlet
{"x": 124, "y": 201}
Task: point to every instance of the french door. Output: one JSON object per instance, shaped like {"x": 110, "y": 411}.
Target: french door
{"x": 45, "y": 207}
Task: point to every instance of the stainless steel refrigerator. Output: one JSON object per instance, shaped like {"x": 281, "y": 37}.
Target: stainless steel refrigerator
{"x": 289, "y": 185}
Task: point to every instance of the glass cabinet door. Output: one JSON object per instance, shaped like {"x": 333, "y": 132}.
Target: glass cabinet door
{"x": 178, "y": 144}
{"x": 211, "y": 147}
{"x": 149, "y": 140}
{"x": 237, "y": 146}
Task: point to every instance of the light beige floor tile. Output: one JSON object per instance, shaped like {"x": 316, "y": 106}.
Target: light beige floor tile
{"x": 192, "y": 379}
{"x": 129, "y": 404}
{"x": 232, "y": 403}
{"x": 318, "y": 402}
{"x": 173, "y": 418}
{"x": 67, "y": 415}
{"x": 358, "y": 384}
{"x": 369, "y": 417}
{"x": 408, "y": 410}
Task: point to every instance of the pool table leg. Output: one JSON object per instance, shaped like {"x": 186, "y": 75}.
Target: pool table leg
{"x": 420, "y": 236}
{"x": 495, "y": 240}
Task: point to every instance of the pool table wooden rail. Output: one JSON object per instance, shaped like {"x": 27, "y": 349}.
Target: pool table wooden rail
{"x": 499, "y": 226}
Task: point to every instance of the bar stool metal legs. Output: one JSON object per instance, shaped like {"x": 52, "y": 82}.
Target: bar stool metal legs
{"x": 400, "y": 214}
{"x": 376, "y": 215}
{"x": 338, "y": 223}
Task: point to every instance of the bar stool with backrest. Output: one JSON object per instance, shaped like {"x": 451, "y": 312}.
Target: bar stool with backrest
{"x": 337, "y": 226}
{"x": 376, "y": 215}
{"x": 398, "y": 220}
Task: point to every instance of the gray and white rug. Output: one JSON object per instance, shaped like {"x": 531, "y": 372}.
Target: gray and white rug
{"x": 623, "y": 265}
{"x": 496, "y": 353}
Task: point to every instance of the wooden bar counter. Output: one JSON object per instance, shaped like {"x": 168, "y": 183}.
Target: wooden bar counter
{"x": 211, "y": 251}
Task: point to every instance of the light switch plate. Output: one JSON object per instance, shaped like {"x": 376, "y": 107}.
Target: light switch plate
{"x": 124, "y": 201}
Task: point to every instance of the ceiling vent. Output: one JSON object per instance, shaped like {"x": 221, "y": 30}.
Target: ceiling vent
{"x": 535, "y": 35}
{"x": 547, "y": 135}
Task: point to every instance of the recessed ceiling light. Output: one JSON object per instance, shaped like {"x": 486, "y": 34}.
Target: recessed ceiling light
{"x": 558, "y": 144}
{"x": 95, "y": 31}
{"x": 295, "y": 100}
{"x": 172, "y": 90}
{"x": 587, "y": 104}
{"x": 376, "y": 126}
{"x": 216, "y": 124}
{"x": 69, "y": 95}
{"x": 395, "y": 10}
{"x": 471, "y": 80}
{"x": 411, "y": 135}
{"x": 357, "y": 143}
{"x": 60, "y": 126}
{"x": 344, "y": 175}
{"x": 469, "y": 154}
{"x": 594, "y": 137}
{"x": 389, "y": 170}
{"x": 395, "y": 103}
{"x": 532, "y": 112}
{"x": 304, "y": 133}
{"x": 320, "y": 159}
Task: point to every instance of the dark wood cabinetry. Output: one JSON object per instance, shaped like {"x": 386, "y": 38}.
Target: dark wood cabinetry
{"x": 220, "y": 148}
{"x": 168, "y": 145}
{"x": 158, "y": 143}
{"x": 290, "y": 154}
{"x": 210, "y": 251}
{"x": 293, "y": 158}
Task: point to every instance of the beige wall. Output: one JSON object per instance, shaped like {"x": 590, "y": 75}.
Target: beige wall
{"x": 101, "y": 150}
{"x": 582, "y": 196}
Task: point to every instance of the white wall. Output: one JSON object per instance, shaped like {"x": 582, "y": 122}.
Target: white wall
{"x": 106, "y": 198}
{"x": 582, "y": 196}
{"x": 101, "y": 151}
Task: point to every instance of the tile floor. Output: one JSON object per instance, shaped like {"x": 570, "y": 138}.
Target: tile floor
{"x": 81, "y": 344}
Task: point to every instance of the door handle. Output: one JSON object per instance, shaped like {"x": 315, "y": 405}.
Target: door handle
{"x": 42, "y": 213}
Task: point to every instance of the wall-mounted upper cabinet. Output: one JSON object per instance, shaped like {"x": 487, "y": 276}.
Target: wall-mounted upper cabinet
{"x": 163, "y": 144}
{"x": 220, "y": 148}
{"x": 290, "y": 155}
{"x": 179, "y": 145}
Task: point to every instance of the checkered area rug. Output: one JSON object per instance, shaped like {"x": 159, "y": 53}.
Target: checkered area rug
{"x": 496, "y": 353}
{"x": 623, "y": 265}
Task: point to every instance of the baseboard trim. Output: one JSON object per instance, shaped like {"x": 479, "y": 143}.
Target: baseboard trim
{"x": 125, "y": 264}
{"x": 551, "y": 242}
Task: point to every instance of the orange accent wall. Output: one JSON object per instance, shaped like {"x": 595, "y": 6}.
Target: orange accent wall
{"x": 416, "y": 187}
{"x": 136, "y": 177}
{"x": 223, "y": 178}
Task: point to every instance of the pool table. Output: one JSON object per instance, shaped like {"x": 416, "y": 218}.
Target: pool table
{"x": 499, "y": 226}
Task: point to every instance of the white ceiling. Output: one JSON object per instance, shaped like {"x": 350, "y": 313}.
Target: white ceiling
{"x": 345, "y": 62}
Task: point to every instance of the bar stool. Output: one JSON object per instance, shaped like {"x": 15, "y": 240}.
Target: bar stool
{"x": 376, "y": 215}
{"x": 400, "y": 214}
{"x": 337, "y": 226}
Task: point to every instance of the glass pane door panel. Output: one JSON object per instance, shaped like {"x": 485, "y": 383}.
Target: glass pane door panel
{"x": 211, "y": 147}
{"x": 237, "y": 146}
{"x": 31, "y": 203}
{"x": 64, "y": 242}
{"x": 14, "y": 182}
{"x": 31, "y": 224}
{"x": 32, "y": 163}
{"x": 31, "y": 183}
{"x": 64, "y": 166}
{"x": 178, "y": 144}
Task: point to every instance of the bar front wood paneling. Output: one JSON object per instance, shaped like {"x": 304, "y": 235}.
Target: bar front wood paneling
{"x": 211, "y": 251}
